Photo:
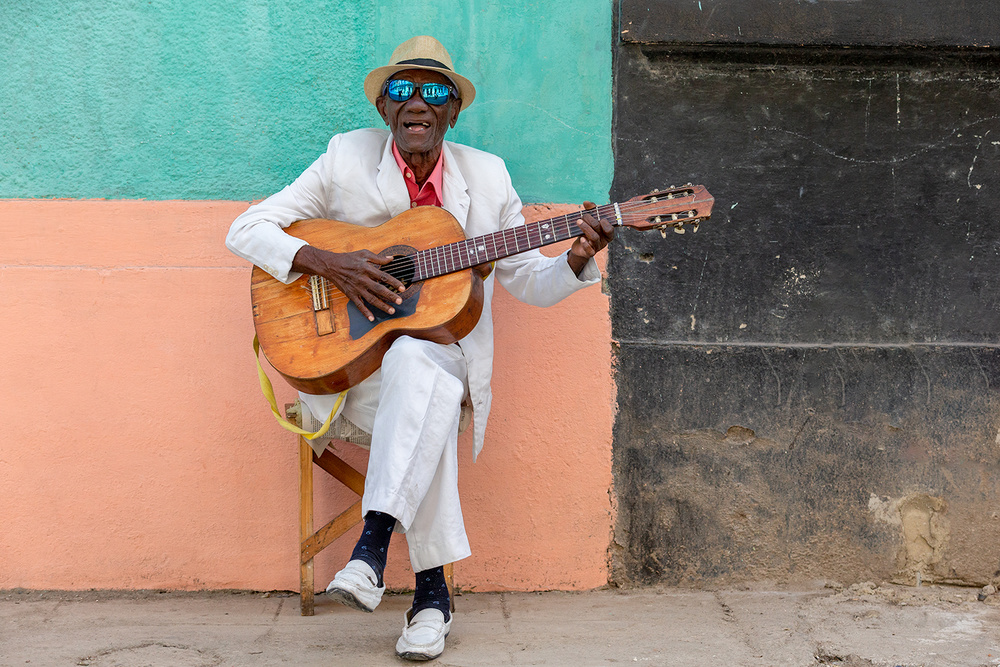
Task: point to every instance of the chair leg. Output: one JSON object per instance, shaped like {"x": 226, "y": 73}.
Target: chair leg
{"x": 307, "y": 581}
{"x": 311, "y": 543}
{"x": 449, "y": 580}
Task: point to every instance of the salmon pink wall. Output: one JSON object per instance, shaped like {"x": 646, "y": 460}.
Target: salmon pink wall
{"x": 137, "y": 452}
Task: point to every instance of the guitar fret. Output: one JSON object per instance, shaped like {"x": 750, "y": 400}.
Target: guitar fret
{"x": 496, "y": 251}
{"x": 467, "y": 254}
{"x": 567, "y": 229}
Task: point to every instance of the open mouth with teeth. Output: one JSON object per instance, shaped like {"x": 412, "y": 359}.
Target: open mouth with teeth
{"x": 412, "y": 125}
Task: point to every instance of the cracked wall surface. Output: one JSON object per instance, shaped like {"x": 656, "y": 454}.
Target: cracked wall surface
{"x": 808, "y": 387}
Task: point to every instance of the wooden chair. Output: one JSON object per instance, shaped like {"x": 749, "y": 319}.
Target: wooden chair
{"x": 312, "y": 542}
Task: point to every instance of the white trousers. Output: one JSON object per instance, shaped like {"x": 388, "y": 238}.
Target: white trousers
{"x": 411, "y": 406}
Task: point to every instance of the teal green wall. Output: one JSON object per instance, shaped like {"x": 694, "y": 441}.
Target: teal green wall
{"x": 183, "y": 100}
{"x": 543, "y": 85}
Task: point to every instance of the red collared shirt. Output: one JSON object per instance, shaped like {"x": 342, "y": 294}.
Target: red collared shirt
{"x": 430, "y": 193}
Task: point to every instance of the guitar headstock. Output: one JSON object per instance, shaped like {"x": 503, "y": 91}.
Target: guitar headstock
{"x": 675, "y": 207}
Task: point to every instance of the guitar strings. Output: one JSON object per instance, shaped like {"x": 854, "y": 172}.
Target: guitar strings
{"x": 402, "y": 266}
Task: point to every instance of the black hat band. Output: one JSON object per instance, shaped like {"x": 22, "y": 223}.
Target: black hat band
{"x": 425, "y": 62}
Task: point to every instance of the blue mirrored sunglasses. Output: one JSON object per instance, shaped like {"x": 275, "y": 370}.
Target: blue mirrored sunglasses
{"x": 400, "y": 90}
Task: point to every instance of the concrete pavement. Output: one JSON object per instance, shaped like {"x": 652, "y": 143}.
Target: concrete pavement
{"x": 754, "y": 627}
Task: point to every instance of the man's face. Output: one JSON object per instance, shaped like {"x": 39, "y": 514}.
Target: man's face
{"x": 416, "y": 126}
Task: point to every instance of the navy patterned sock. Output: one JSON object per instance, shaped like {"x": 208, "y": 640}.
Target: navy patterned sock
{"x": 432, "y": 592}
{"x": 373, "y": 546}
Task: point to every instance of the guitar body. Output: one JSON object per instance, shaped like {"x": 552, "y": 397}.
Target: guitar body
{"x": 324, "y": 350}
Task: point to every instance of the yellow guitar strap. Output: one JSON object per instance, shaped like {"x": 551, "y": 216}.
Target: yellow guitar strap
{"x": 268, "y": 390}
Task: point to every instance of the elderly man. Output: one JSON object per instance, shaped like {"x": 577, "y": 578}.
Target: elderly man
{"x": 411, "y": 405}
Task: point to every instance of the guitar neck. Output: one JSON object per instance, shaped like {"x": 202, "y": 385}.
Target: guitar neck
{"x": 461, "y": 255}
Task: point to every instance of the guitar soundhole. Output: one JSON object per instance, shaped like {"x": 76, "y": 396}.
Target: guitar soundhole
{"x": 402, "y": 267}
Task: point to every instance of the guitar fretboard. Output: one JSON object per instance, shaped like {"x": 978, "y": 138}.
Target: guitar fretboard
{"x": 465, "y": 254}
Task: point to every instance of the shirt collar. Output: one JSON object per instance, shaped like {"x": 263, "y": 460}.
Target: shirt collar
{"x": 433, "y": 188}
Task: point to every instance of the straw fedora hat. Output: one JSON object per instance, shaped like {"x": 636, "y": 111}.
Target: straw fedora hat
{"x": 421, "y": 52}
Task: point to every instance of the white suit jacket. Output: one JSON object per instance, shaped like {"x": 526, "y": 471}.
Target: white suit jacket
{"x": 357, "y": 180}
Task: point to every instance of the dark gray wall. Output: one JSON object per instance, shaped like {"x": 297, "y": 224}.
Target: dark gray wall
{"x": 808, "y": 386}
{"x": 964, "y": 23}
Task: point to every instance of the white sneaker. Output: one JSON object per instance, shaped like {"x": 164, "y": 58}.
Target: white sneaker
{"x": 423, "y": 635}
{"x": 356, "y": 586}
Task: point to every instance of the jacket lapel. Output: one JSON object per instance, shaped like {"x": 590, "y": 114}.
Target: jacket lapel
{"x": 390, "y": 183}
{"x": 456, "y": 191}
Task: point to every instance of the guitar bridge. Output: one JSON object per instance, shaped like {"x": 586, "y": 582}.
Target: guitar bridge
{"x": 318, "y": 289}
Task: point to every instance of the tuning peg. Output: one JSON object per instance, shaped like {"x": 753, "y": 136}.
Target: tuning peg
{"x": 663, "y": 231}
{"x": 679, "y": 229}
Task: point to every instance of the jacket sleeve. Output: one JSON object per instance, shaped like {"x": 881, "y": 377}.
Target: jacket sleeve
{"x": 531, "y": 276}
{"x": 258, "y": 234}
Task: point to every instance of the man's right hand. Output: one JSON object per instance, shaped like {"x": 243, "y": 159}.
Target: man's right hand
{"x": 357, "y": 274}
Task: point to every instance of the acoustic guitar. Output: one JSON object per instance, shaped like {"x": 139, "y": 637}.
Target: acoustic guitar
{"x": 319, "y": 341}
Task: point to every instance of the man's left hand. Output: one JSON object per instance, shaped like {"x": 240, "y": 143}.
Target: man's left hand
{"x": 597, "y": 233}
